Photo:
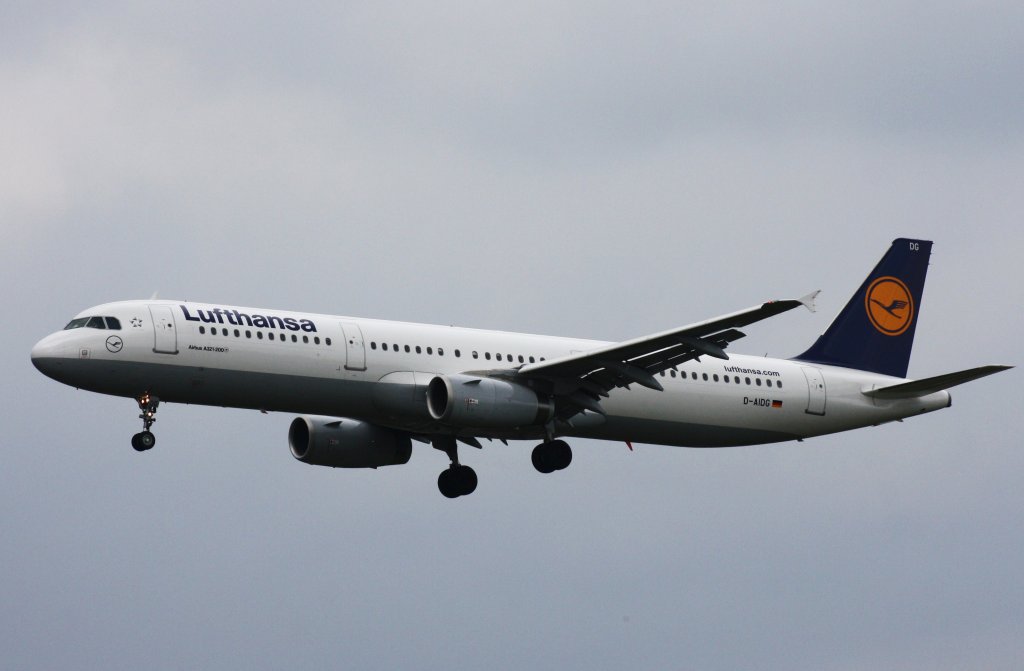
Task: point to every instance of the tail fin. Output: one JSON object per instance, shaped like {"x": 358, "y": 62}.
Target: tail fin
{"x": 875, "y": 331}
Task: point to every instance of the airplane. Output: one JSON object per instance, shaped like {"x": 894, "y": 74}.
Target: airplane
{"x": 365, "y": 389}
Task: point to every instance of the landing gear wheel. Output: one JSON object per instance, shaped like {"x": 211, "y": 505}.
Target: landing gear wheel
{"x": 466, "y": 477}
{"x": 457, "y": 480}
{"x": 541, "y": 457}
{"x": 143, "y": 441}
{"x": 551, "y": 456}
{"x": 447, "y": 482}
{"x": 562, "y": 454}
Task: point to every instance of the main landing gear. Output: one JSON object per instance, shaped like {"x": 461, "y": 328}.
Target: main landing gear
{"x": 456, "y": 480}
{"x": 145, "y": 439}
{"x": 551, "y": 455}
{"x": 460, "y": 480}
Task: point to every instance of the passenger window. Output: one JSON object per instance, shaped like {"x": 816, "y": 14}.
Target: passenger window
{"x": 96, "y": 323}
{"x": 531, "y": 360}
{"x": 202, "y": 330}
{"x": 458, "y": 354}
{"x": 418, "y": 350}
{"x": 736, "y": 379}
{"x": 779, "y": 384}
{"x": 373, "y": 345}
{"x": 768, "y": 382}
{"x": 248, "y": 334}
{"x": 672, "y": 373}
{"x": 237, "y": 333}
{"x": 305, "y": 339}
{"x": 748, "y": 380}
{"x": 326, "y": 340}
{"x": 430, "y": 350}
{"x": 498, "y": 356}
{"x": 705, "y": 377}
{"x": 476, "y": 355}
{"x": 716, "y": 377}
{"x": 316, "y": 340}
{"x": 113, "y": 324}
{"x": 487, "y": 355}
{"x": 440, "y": 351}
{"x": 295, "y": 338}
{"x": 406, "y": 349}
{"x": 758, "y": 381}
{"x": 259, "y": 335}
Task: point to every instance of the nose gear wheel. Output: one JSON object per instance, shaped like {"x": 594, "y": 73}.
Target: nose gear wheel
{"x": 145, "y": 439}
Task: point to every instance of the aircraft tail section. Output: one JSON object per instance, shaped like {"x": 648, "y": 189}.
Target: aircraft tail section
{"x": 875, "y": 331}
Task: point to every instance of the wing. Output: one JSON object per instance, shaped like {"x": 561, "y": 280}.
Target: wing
{"x": 578, "y": 382}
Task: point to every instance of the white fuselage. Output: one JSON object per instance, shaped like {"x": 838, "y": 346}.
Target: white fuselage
{"x": 377, "y": 371}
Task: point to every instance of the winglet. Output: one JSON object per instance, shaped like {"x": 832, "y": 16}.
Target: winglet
{"x": 808, "y": 300}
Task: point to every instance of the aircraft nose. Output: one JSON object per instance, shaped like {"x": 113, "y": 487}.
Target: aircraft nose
{"x": 46, "y": 356}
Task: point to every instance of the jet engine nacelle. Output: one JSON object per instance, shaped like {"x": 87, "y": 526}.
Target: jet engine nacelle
{"x": 469, "y": 401}
{"x": 346, "y": 443}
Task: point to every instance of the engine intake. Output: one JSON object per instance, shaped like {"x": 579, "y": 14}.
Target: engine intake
{"x": 346, "y": 443}
{"x": 470, "y": 401}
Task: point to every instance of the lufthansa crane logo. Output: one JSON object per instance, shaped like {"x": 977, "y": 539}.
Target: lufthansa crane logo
{"x": 114, "y": 344}
{"x": 889, "y": 305}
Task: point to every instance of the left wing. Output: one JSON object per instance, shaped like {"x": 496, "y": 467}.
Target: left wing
{"x": 579, "y": 381}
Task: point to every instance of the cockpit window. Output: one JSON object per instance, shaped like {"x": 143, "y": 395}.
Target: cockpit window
{"x": 94, "y": 323}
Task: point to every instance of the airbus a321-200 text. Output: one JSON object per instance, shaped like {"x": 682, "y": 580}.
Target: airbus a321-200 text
{"x": 365, "y": 390}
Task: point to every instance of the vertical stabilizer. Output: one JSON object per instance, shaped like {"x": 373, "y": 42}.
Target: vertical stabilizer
{"x": 875, "y": 331}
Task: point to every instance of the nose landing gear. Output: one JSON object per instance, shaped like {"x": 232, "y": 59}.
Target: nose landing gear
{"x": 145, "y": 439}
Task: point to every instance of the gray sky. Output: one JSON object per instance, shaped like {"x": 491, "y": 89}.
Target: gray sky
{"x": 584, "y": 169}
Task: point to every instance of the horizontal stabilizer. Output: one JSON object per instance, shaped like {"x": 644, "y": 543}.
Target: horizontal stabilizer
{"x": 931, "y": 385}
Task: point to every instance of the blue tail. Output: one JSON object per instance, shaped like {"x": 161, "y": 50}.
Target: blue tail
{"x": 875, "y": 331}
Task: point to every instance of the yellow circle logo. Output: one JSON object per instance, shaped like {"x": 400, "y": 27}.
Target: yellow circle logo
{"x": 889, "y": 305}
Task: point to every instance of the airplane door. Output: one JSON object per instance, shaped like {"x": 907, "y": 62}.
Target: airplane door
{"x": 165, "y": 335}
{"x": 815, "y": 391}
{"x": 355, "y": 351}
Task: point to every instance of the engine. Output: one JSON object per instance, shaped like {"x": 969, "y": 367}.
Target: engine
{"x": 469, "y": 401}
{"x": 346, "y": 443}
